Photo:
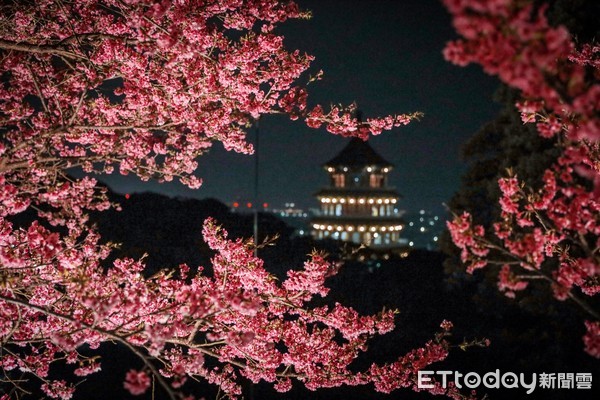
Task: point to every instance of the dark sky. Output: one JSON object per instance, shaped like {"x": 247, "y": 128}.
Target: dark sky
{"x": 387, "y": 56}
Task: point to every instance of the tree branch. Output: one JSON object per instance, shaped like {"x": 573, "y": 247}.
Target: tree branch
{"x": 38, "y": 49}
{"x": 101, "y": 331}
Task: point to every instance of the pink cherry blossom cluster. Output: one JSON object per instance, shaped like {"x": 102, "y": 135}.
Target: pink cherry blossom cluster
{"x": 145, "y": 87}
{"x": 343, "y": 121}
{"x": 551, "y": 232}
{"x": 57, "y": 297}
{"x": 401, "y": 373}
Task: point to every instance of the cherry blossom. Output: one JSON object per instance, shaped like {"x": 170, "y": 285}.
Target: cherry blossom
{"x": 551, "y": 232}
{"x": 145, "y": 88}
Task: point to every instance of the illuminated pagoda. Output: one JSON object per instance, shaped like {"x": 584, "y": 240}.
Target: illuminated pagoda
{"x": 358, "y": 206}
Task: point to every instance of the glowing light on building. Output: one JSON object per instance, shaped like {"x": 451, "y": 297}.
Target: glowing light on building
{"x": 356, "y": 206}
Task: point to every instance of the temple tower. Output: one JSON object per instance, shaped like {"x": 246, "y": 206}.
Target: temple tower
{"x": 358, "y": 206}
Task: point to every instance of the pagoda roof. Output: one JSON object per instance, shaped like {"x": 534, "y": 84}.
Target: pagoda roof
{"x": 357, "y": 153}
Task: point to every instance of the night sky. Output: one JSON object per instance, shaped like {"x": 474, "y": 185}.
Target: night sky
{"x": 386, "y": 55}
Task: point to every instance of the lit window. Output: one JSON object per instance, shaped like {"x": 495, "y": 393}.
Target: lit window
{"x": 375, "y": 180}
{"x": 339, "y": 180}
